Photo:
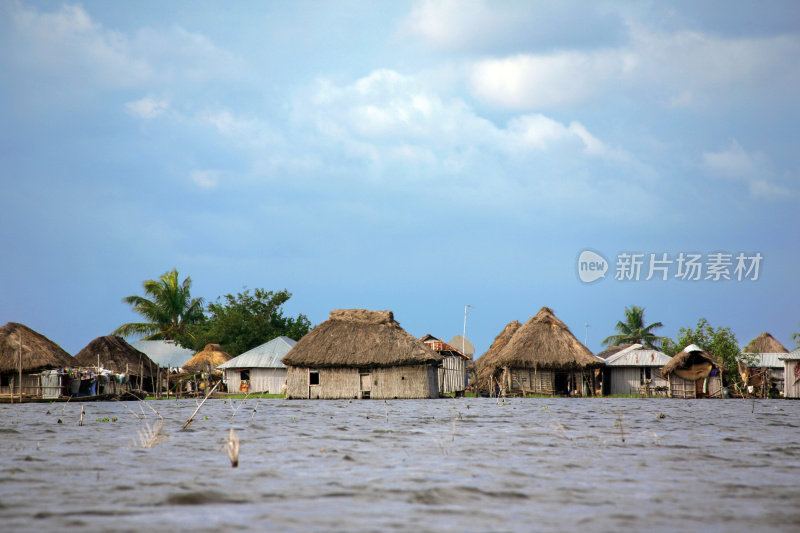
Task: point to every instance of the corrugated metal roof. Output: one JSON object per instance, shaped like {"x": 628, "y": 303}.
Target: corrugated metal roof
{"x": 768, "y": 360}
{"x": 268, "y": 355}
{"x": 638, "y": 355}
{"x": 791, "y": 356}
{"x": 164, "y": 353}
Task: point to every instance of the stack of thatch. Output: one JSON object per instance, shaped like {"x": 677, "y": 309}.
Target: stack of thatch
{"x": 485, "y": 364}
{"x": 691, "y": 363}
{"x": 207, "y": 360}
{"x": 359, "y": 338}
{"x": 765, "y": 343}
{"x": 544, "y": 341}
{"x": 38, "y": 352}
{"x": 117, "y": 355}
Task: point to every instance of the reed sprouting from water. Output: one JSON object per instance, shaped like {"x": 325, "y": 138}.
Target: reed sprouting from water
{"x": 232, "y": 447}
{"x": 149, "y": 435}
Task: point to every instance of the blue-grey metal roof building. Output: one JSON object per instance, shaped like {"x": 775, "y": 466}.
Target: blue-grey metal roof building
{"x": 164, "y": 353}
{"x": 268, "y": 355}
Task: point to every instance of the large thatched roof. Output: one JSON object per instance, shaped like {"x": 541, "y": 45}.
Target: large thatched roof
{"x": 38, "y": 352}
{"x": 544, "y": 341}
{"x": 690, "y": 355}
{"x": 484, "y": 365}
{"x": 359, "y": 338}
{"x": 117, "y": 355}
{"x": 209, "y": 359}
{"x": 765, "y": 343}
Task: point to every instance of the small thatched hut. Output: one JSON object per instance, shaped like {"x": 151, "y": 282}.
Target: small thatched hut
{"x": 765, "y": 343}
{"x": 23, "y": 349}
{"x": 358, "y": 353}
{"x": 766, "y": 363}
{"x": 115, "y": 354}
{"x": 544, "y": 357}
{"x": 453, "y": 372}
{"x": 207, "y": 360}
{"x": 693, "y": 373}
{"x": 488, "y": 372}
{"x": 259, "y": 369}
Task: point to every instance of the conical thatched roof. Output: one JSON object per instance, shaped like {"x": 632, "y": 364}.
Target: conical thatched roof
{"x": 38, "y": 352}
{"x": 484, "y": 365}
{"x": 545, "y": 342}
{"x": 359, "y": 338}
{"x": 611, "y": 350}
{"x": 210, "y": 358}
{"x": 117, "y": 355}
{"x": 765, "y": 343}
{"x": 690, "y": 355}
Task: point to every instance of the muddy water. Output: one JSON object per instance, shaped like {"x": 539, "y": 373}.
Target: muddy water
{"x": 436, "y": 465}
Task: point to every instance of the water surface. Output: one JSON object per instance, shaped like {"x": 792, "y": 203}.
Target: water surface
{"x": 404, "y": 465}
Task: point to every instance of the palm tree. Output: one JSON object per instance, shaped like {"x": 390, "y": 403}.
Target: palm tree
{"x": 169, "y": 309}
{"x": 633, "y": 330}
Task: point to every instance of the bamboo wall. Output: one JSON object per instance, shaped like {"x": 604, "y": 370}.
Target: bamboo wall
{"x": 530, "y": 380}
{"x": 791, "y": 386}
{"x": 453, "y": 374}
{"x": 684, "y": 388}
{"x": 345, "y": 383}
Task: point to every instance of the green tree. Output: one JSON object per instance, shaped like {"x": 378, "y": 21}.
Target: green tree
{"x": 720, "y": 343}
{"x": 242, "y": 322}
{"x": 169, "y": 309}
{"x": 796, "y": 339}
{"x": 633, "y": 330}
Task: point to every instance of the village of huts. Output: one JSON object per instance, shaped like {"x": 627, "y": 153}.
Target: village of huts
{"x": 364, "y": 354}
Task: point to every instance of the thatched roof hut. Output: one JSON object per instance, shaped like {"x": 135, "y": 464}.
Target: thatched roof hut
{"x": 765, "y": 343}
{"x": 544, "y": 356}
{"x": 544, "y": 341}
{"x": 358, "y": 353}
{"x": 207, "y": 360}
{"x": 693, "y": 373}
{"x": 38, "y": 352}
{"x": 485, "y": 364}
{"x": 359, "y": 338}
{"x": 117, "y": 355}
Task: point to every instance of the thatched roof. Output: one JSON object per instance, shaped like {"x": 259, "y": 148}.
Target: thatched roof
{"x": 611, "y": 350}
{"x": 765, "y": 343}
{"x": 359, "y": 338}
{"x": 38, "y": 352}
{"x": 544, "y": 341}
{"x": 210, "y": 358}
{"x": 117, "y": 355}
{"x": 484, "y": 365}
{"x": 690, "y": 355}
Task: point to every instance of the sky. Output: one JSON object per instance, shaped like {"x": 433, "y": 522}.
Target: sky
{"x": 412, "y": 156}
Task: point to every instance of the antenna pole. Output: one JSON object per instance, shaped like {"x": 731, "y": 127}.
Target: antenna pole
{"x": 467, "y": 308}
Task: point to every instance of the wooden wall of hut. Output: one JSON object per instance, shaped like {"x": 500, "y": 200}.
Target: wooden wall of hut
{"x": 684, "y": 388}
{"x": 629, "y": 379}
{"x": 791, "y": 386}
{"x": 352, "y": 383}
{"x": 262, "y": 380}
{"x": 547, "y": 381}
{"x": 453, "y": 375}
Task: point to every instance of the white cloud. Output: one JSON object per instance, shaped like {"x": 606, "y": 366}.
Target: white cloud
{"x": 452, "y": 23}
{"x": 148, "y": 108}
{"x": 70, "y": 45}
{"x": 754, "y": 169}
{"x": 206, "y": 179}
